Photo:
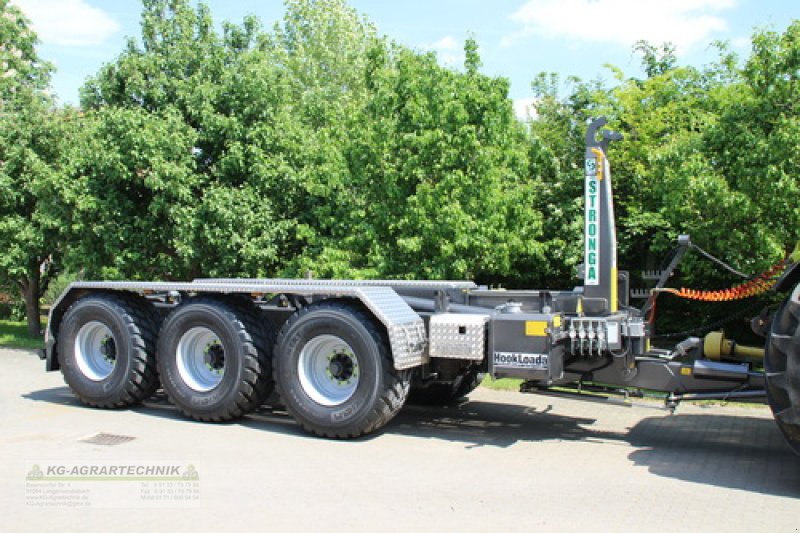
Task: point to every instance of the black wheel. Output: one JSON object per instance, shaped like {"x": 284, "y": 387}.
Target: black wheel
{"x": 782, "y": 365}
{"x": 106, "y": 347}
{"x": 334, "y": 371}
{"x": 443, "y": 393}
{"x": 213, "y": 359}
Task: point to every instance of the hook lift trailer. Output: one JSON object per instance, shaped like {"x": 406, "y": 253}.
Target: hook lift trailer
{"x": 345, "y": 355}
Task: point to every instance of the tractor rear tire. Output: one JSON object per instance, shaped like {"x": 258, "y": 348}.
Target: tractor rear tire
{"x": 782, "y": 366}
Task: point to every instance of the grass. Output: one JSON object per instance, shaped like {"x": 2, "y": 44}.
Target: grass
{"x": 505, "y": 384}
{"x": 14, "y": 334}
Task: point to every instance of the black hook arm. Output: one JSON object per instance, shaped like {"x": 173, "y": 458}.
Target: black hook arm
{"x": 606, "y": 136}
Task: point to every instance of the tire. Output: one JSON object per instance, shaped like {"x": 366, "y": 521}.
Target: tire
{"x": 782, "y": 366}
{"x": 107, "y": 350}
{"x": 334, "y": 371}
{"x": 443, "y": 393}
{"x": 213, "y": 359}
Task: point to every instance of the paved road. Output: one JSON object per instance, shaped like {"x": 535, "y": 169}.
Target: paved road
{"x": 501, "y": 461}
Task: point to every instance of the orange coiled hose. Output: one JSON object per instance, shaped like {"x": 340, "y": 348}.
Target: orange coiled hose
{"x": 758, "y": 285}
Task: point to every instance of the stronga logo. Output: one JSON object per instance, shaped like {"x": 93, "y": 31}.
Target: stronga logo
{"x": 592, "y": 233}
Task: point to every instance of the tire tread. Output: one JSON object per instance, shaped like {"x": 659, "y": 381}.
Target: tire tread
{"x": 140, "y": 324}
{"x": 782, "y": 365}
{"x": 255, "y": 337}
{"x": 397, "y": 382}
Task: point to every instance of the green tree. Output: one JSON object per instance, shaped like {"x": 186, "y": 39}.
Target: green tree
{"x": 132, "y": 184}
{"x": 172, "y": 120}
{"x": 755, "y": 145}
{"x": 33, "y": 136}
{"x": 316, "y": 146}
{"x": 259, "y": 121}
{"x": 708, "y": 151}
{"x": 713, "y": 152}
{"x": 435, "y": 180}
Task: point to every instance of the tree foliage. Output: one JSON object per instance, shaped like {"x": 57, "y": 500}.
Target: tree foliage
{"x": 435, "y": 186}
{"x": 33, "y": 137}
{"x": 315, "y": 146}
{"x": 709, "y": 151}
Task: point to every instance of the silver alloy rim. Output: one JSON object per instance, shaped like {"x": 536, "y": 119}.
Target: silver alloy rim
{"x": 95, "y": 350}
{"x": 201, "y": 359}
{"x": 328, "y": 370}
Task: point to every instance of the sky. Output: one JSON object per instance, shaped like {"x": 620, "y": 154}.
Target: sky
{"x": 517, "y": 38}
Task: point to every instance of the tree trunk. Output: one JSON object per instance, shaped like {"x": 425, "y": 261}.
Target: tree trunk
{"x": 31, "y": 289}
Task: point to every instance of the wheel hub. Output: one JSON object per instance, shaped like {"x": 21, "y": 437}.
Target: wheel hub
{"x": 108, "y": 348}
{"x": 200, "y": 359}
{"x": 328, "y": 370}
{"x": 342, "y": 368}
{"x": 214, "y": 357}
{"x": 95, "y": 350}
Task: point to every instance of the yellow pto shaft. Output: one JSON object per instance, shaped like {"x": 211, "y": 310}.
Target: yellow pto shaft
{"x": 716, "y": 346}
